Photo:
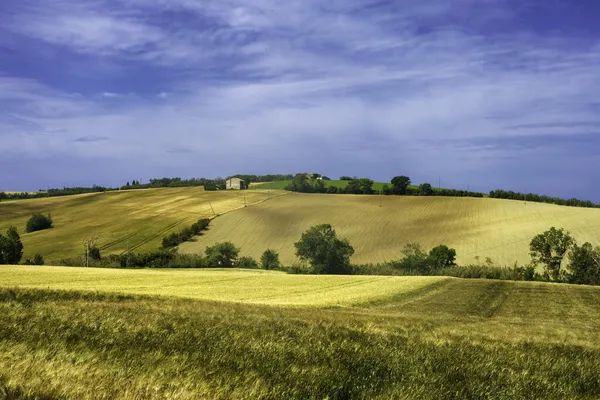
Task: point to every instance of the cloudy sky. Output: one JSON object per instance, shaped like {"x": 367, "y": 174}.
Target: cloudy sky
{"x": 485, "y": 93}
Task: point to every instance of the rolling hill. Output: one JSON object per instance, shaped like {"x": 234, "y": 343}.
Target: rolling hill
{"x": 134, "y": 219}
{"x": 476, "y": 227}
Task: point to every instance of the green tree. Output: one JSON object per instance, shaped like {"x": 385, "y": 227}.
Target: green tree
{"x": 38, "y": 222}
{"x": 366, "y": 185}
{"x": 270, "y": 259}
{"x": 326, "y": 254}
{"x": 94, "y": 253}
{"x": 425, "y": 189}
{"x": 3, "y": 196}
{"x": 442, "y": 256}
{"x": 400, "y": 184}
{"x": 222, "y": 255}
{"x": 415, "y": 259}
{"x": 584, "y": 264}
{"x": 353, "y": 187}
{"x": 11, "y": 248}
{"x": 549, "y": 248}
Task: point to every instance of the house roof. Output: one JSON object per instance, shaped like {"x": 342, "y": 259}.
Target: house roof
{"x": 235, "y": 180}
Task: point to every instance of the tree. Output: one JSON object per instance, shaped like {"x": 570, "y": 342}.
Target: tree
{"x": 3, "y": 196}
{"x": 549, "y": 248}
{"x": 11, "y": 248}
{"x": 584, "y": 265}
{"x": 366, "y": 185}
{"x": 353, "y": 187}
{"x": 425, "y": 189}
{"x": 270, "y": 259}
{"x": 415, "y": 259}
{"x": 399, "y": 184}
{"x": 38, "y": 222}
{"x": 95, "y": 253}
{"x": 222, "y": 255}
{"x": 442, "y": 256}
{"x": 326, "y": 254}
{"x": 37, "y": 260}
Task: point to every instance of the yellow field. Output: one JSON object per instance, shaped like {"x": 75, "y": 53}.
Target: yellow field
{"x": 500, "y": 229}
{"x": 135, "y": 219}
{"x": 241, "y": 286}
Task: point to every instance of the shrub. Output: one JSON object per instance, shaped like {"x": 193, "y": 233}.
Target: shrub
{"x": 324, "y": 251}
{"x": 415, "y": 259}
{"x": 37, "y": 260}
{"x": 38, "y": 222}
{"x": 270, "y": 260}
{"x": 222, "y": 255}
{"x": 246, "y": 262}
{"x": 94, "y": 253}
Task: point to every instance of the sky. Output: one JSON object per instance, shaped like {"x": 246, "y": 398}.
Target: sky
{"x": 478, "y": 94}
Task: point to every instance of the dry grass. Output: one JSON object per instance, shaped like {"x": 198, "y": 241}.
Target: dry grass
{"x": 136, "y": 219}
{"x": 243, "y": 286}
{"x": 500, "y": 229}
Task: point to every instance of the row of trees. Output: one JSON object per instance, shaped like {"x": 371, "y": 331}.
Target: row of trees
{"x": 186, "y": 234}
{"x": 573, "y": 202}
{"x": 563, "y": 259}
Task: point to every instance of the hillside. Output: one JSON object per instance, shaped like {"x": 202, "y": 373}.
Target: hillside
{"x": 385, "y": 337}
{"x": 500, "y": 229}
{"x": 134, "y": 219}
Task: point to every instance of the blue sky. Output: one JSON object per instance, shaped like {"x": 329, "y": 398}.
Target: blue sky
{"x": 485, "y": 93}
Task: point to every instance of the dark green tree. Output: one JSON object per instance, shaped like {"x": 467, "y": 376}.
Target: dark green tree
{"x": 425, "y": 189}
{"x": 549, "y": 248}
{"x": 321, "y": 248}
{"x": 270, "y": 259}
{"x": 400, "y": 184}
{"x": 11, "y": 248}
{"x": 246, "y": 262}
{"x": 222, "y": 255}
{"x": 38, "y": 222}
{"x": 366, "y": 185}
{"x": 415, "y": 259}
{"x": 95, "y": 253}
{"x": 353, "y": 187}
{"x": 442, "y": 256}
{"x": 584, "y": 264}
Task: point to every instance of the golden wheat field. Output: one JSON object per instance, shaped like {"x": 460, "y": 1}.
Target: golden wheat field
{"x": 240, "y": 286}
{"x": 483, "y": 227}
{"x": 134, "y": 219}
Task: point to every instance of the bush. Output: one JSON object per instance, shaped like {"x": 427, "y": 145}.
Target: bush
{"x": 246, "y": 262}
{"x": 270, "y": 260}
{"x": 37, "y": 260}
{"x": 175, "y": 239}
{"x": 94, "y": 253}
{"x": 222, "y": 255}
{"x": 38, "y": 222}
{"x": 326, "y": 254}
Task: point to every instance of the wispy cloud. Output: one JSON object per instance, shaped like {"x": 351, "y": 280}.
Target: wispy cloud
{"x": 383, "y": 87}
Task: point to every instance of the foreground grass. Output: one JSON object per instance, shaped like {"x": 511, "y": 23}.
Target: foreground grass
{"x": 455, "y": 339}
{"x": 127, "y": 219}
{"x": 379, "y": 226}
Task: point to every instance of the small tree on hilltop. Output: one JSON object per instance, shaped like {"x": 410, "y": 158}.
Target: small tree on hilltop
{"x": 326, "y": 253}
{"x": 425, "y": 189}
{"x": 400, "y": 184}
{"x": 549, "y": 248}
{"x": 270, "y": 259}
{"x": 222, "y": 255}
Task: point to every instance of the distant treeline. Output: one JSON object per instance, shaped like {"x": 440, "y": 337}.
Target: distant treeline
{"x": 503, "y": 194}
{"x": 400, "y": 185}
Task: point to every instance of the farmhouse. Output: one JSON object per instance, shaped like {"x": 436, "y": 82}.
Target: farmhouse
{"x": 235, "y": 184}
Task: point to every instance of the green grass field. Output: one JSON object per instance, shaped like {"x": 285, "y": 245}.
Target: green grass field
{"x": 483, "y": 227}
{"x": 404, "y": 338}
{"x": 134, "y": 219}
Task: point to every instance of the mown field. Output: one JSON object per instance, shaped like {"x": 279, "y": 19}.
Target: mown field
{"x": 134, "y": 219}
{"x": 483, "y": 227}
{"x": 428, "y": 338}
